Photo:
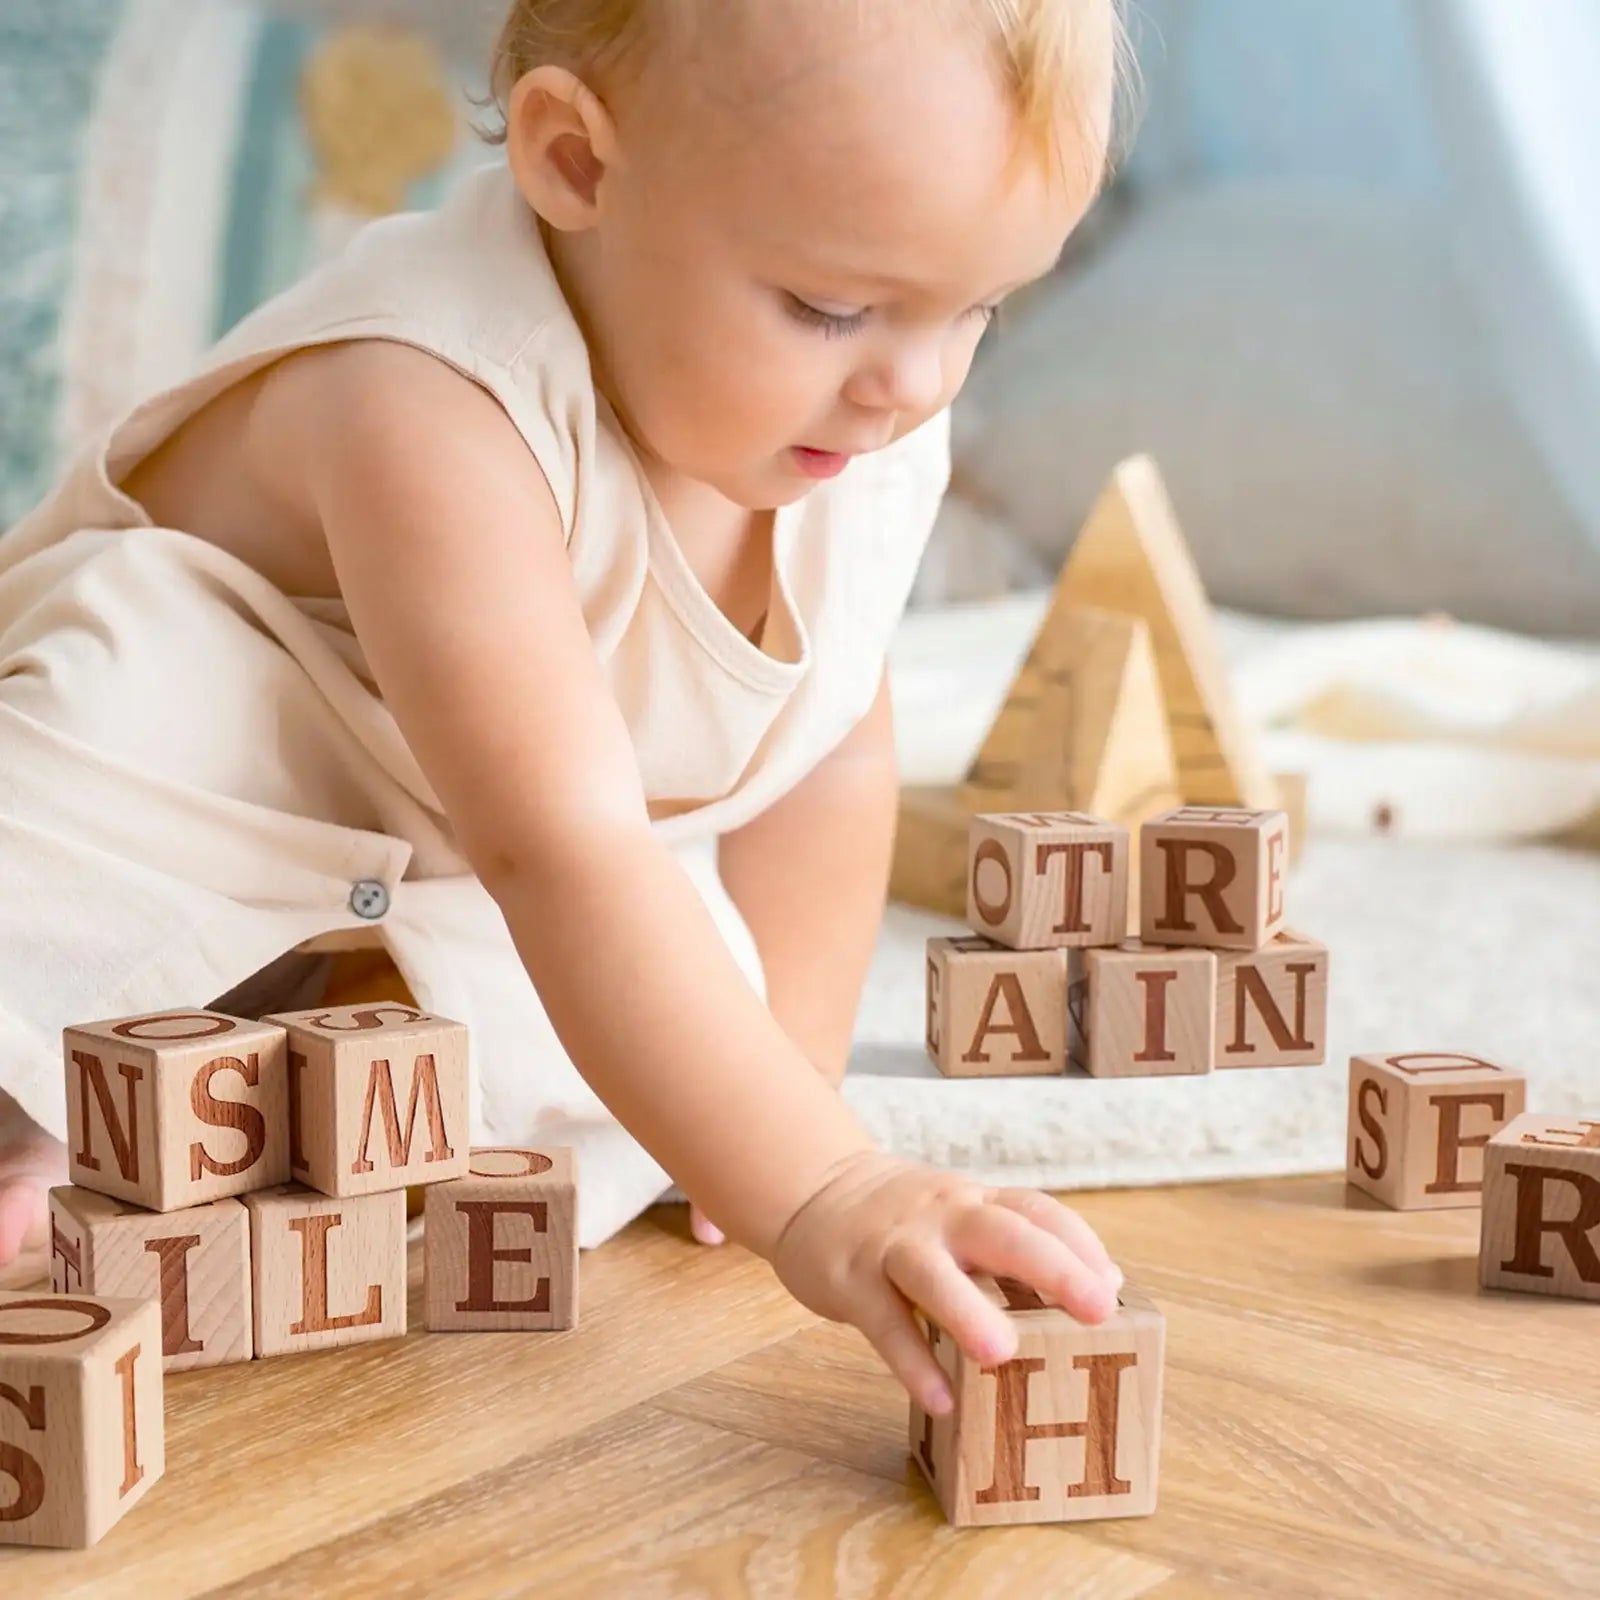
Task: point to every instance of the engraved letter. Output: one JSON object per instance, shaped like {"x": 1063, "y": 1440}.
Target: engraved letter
{"x": 227, "y": 1114}
{"x": 482, "y": 1254}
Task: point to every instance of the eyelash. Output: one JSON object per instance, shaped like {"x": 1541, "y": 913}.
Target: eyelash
{"x": 842, "y": 327}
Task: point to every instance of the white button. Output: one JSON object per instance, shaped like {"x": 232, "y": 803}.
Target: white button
{"x": 369, "y": 898}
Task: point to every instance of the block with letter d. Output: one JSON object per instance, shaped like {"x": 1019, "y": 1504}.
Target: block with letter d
{"x": 1541, "y": 1207}
{"x": 175, "y": 1108}
{"x": 500, "y": 1246}
{"x": 1067, "y": 1430}
{"x": 378, "y": 1097}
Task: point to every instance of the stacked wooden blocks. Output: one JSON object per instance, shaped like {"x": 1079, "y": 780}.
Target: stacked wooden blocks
{"x": 1434, "y": 1129}
{"x": 239, "y": 1192}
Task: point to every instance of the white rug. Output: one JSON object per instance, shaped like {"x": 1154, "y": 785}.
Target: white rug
{"x": 1488, "y": 950}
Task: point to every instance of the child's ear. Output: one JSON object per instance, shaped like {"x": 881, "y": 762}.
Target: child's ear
{"x": 559, "y": 139}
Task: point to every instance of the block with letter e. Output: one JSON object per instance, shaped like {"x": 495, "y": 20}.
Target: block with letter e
{"x": 500, "y": 1246}
{"x": 993, "y": 1011}
{"x": 1213, "y": 876}
{"x": 174, "y": 1108}
{"x": 81, "y": 1426}
{"x": 1067, "y": 1430}
{"x": 1541, "y": 1207}
{"x": 378, "y": 1097}
{"x": 1047, "y": 879}
{"x": 1420, "y": 1123}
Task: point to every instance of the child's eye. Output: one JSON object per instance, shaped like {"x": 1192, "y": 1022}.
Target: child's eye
{"x": 831, "y": 323}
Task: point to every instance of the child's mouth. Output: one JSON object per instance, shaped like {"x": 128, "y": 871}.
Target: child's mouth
{"x": 820, "y": 463}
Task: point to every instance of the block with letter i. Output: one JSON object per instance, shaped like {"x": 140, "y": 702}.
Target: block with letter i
{"x": 993, "y": 1011}
{"x": 1541, "y": 1207}
{"x": 1213, "y": 876}
{"x": 1067, "y": 1430}
{"x": 326, "y": 1271}
{"x": 1420, "y": 1123}
{"x": 81, "y": 1427}
{"x": 1047, "y": 879}
{"x": 176, "y": 1108}
{"x": 1144, "y": 1011}
{"x": 195, "y": 1263}
{"x": 378, "y": 1097}
{"x": 500, "y": 1246}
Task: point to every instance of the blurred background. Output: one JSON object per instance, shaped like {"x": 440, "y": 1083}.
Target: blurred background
{"x": 1345, "y": 290}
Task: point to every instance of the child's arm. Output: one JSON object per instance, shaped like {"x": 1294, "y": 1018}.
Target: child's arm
{"x": 810, "y": 876}
{"x": 449, "y": 553}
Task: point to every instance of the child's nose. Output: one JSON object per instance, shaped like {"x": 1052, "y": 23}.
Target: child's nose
{"x": 911, "y": 379}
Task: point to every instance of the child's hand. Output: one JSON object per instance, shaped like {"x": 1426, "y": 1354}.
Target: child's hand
{"x": 884, "y": 1234}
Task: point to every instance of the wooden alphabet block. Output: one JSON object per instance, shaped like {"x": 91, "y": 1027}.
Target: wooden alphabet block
{"x": 1213, "y": 876}
{"x": 1148, "y": 1011}
{"x": 1541, "y": 1207}
{"x": 993, "y": 1011}
{"x": 81, "y": 1425}
{"x": 195, "y": 1263}
{"x": 378, "y": 1097}
{"x": 1272, "y": 1004}
{"x": 500, "y": 1246}
{"x": 1420, "y": 1124}
{"x": 326, "y": 1271}
{"x": 1040, "y": 880}
{"x": 174, "y": 1108}
{"x": 1068, "y": 1430}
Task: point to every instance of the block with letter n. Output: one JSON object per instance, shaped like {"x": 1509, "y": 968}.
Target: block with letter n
{"x": 1068, "y": 1430}
{"x": 81, "y": 1425}
{"x": 1541, "y": 1207}
{"x": 378, "y": 1097}
{"x": 500, "y": 1246}
{"x": 175, "y": 1108}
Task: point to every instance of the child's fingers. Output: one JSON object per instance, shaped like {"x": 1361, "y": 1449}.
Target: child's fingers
{"x": 1064, "y": 1223}
{"x": 996, "y": 1239}
{"x": 927, "y": 1275}
{"x": 892, "y": 1331}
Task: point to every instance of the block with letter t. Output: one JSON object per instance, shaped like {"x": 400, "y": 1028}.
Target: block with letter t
{"x": 1047, "y": 879}
{"x": 500, "y": 1246}
{"x": 378, "y": 1097}
{"x": 1541, "y": 1207}
{"x": 81, "y": 1426}
{"x": 171, "y": 1109}
{"x": 1067, "y": 1430}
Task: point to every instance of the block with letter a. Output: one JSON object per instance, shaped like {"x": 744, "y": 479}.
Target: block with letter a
{"x": 1272, "y": 1004}
{"x": 1541, "y": 1207}
{"x": 500, "y": 1246}
{"x": 1147, "y": 1011}
{"x": 993, "y": 1011}
{"x": 195, "y": 1263}
{"x": 175, "y": 1108}
{"x": 378, "y": 1097}
{"x": 1213, "y": 876}
{"x": 1067, "y": 1430}
{"x": 1038, "y": 880}
{"x": 81, "y": 1427}
{"x": 326, "y": 1271}
{"x": 1420, "y": 1124}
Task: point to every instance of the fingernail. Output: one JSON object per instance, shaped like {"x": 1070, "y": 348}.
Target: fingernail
{"x": 705, "y": 1230}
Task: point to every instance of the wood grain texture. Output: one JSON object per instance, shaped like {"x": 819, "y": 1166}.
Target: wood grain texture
{"x": 81, "y": 1433}
{"x": 992, "y": 1011}
{"x": 929, "y": 865}
{"x": 1541, "y": 1207}
{"x": 1419, "y": 1122}
{"x": 1345, "y": 1416}
{"x": 1131, "y": 557}
{"x": 1272, "y": 1004}
{"x": 1147, "y": 1012}
{"x": 326, "y": 1271}
{"x": 1213, "y": 876}
{"x": 1067, "y": 1430}
{"x": 501, "y": 1244}
{"x": 173, "y": 1108}
{"x": 378, "y": 1097}
{"x": 196, "y": 1263}
{"x": 1040, "y": 880}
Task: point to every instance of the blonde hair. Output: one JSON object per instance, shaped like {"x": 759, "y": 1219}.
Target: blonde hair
{"x": 1043, "y": 45}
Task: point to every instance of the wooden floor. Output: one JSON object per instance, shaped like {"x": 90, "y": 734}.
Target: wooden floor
{"x": 1346, "y": 1415}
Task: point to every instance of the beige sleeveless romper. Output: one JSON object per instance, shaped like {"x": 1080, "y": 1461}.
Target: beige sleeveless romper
{"x": 198, "y": 774}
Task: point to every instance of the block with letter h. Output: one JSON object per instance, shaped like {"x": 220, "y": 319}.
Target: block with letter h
{"x": 1067, "y": 1430}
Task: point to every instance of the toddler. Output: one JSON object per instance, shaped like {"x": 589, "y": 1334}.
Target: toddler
{"x": 514, "y": 594}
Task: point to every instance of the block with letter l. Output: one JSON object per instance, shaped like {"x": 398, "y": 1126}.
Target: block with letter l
{"x": 1541, "y": 1207}
{"x": 1068, "y": 1430}
{"x": 500, "y": 1246}
{"x": 378, "y": 1097}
